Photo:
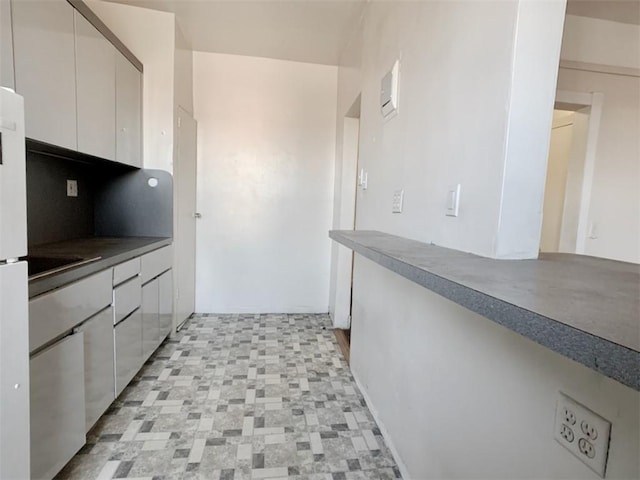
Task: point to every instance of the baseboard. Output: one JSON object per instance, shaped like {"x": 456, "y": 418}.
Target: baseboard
{"x": 383, "y": 429}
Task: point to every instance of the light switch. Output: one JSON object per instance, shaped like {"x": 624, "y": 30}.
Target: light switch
{"x": 453, "y": 200}
{"x": 363, "y": 178}
{"x": 72, "y": 188}
{"x": 398, "y": 199}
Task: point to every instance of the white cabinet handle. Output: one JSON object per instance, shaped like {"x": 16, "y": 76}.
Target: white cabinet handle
{"x": 197, "y": 215}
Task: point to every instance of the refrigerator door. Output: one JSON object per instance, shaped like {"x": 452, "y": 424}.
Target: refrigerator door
{"x": 14, "y": 372}
{"x": 13, "y": 190}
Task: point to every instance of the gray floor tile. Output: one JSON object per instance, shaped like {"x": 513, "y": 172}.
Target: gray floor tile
{"x": 235, "y": 397}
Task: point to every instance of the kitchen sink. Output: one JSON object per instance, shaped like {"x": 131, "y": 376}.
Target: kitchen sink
{"x": 40, "y": 266}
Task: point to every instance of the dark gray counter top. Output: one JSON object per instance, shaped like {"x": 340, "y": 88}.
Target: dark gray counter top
{"x": 113, "y": 250}
{"x": 585, "y": 308}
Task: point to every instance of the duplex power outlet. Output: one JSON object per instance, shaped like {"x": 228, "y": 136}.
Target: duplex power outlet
{"x": 583, "y": 432}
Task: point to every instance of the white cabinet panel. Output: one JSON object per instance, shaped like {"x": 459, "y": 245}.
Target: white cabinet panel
{"x": 150, "y": 319}
{"x": 156, "y": 262}
{"x": 6, "y": 46}
{"x": 128, "y": 112}
{"x": 128, "y": 349}
{"x": 96, "y": 90}
{"x": 126, "y": 298}
{"x": 44, "y": 56}
{"x": 14, "y": 372}
{"x": 13, "y": 186}
{"x": 52, "y": 314}
{"x": 126, "y": 270}
{"x": 165, "y": 291}
{"x": 57, "y": 406}
{"x": 99, "y": 386}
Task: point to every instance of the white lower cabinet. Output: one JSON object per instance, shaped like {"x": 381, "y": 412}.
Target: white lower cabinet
{"x": 127, "y": 338}
{"x": 99, "y": 380}
{"x": 57, "y": 405}
{"x": 150, "y": 318}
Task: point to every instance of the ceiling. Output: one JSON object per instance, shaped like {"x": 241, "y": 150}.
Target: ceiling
{"x": 625, "y": 11}
{"x": 313, "y": 31}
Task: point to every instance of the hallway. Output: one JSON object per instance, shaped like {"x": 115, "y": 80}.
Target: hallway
{"x": 235, "y": 397}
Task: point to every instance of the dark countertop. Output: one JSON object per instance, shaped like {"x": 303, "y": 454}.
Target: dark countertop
{"x": 113, "y": 250}
{"x": 585, "y": 308}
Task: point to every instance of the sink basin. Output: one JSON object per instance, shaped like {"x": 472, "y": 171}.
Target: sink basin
{"x": 43, "y": 266}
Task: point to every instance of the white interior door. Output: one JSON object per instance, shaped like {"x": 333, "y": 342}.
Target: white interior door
{"x": 185, "y": 242}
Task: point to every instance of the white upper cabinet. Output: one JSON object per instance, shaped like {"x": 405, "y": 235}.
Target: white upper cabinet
{"x": 44, "y": 56}
{"x": 96, "y": 90}
{"x": 6, "y": 46}
{"x": 128, "y": 112}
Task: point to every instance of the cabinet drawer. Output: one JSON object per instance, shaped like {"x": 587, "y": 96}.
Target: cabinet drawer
{"x": 57, "y": 406}
{"x": 127, "y": 338}
{"x": 156, "y": 262}
{"x": 126, "y": 298}
{"x": 99, "y": 387}
{"x": 54, "y": 313}
{"x": 126, "y": 270}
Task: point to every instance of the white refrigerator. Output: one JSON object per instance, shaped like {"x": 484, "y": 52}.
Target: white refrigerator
{"x": 14, "y": 298}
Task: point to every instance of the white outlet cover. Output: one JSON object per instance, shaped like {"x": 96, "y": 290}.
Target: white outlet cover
{"x": 72, "y": 188}
{"x": 589, "y": 436}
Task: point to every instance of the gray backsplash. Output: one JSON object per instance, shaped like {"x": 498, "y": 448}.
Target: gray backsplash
{"x": 51, "y": 215}
{"x": 113, "y": 200}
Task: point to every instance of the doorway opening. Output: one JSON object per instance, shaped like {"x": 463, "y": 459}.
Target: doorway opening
{"x": 347, "y": 221}
{"x": 572, "y": 152}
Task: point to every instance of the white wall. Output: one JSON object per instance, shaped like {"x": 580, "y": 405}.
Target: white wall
{"x": 592, "y": 40}
{"x": 462, "y": 397}
{"x": 266, "y": 148}
{"x": 614, "y": 206}
{"x": 436, "y": 374}
{"x": 615, "y": 193}
{"x": 183, "y": 71}
{"x": 149, "y": 34}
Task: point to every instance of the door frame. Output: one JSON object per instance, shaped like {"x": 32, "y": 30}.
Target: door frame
{"x": 181, "y": 112}
{"x": 570, "y": 100}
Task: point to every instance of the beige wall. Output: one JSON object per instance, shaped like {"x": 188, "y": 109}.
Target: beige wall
{"x": 266, "y": 140}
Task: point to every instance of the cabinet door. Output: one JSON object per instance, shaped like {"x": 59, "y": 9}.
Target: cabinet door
{"x": 57, "y": 406}
{"x": 128, "y": 346}
{"x": 14, "y": 372}
{"x": 45, "y": 73}
{"x": 128, "y": 112}
{"x": 96, "y": 90}
{"x": 150, "y": 318}
{"x": 6, "y": 46}
{"x": 99, "y": 386}
{"x": 165, "y": 289}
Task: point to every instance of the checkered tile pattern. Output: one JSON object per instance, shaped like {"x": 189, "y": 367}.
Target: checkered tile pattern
{"x": 235, "y": 397}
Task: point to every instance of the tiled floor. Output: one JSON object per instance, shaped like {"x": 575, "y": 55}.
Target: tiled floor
{"x": 236, "y": 397}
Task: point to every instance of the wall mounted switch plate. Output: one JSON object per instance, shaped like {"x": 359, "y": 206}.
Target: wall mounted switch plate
{"x": 72, "y": 188}
{"x": 453, "y": 200}
{"x": 583, "y": 432}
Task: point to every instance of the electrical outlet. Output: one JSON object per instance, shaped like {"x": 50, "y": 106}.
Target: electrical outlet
{"x": 583, "y": 432}
{"x": 398, "y": 200}
{"x": 72, "y": 188}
